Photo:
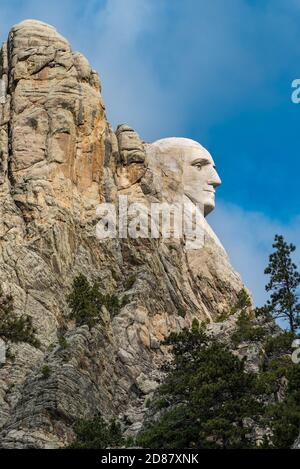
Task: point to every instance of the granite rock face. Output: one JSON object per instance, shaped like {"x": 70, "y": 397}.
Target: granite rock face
{"x": 59, "y": 160}
{"x": 297, "y": 443}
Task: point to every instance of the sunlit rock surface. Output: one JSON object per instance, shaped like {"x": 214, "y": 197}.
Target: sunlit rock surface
{"x": 59, "y": 160}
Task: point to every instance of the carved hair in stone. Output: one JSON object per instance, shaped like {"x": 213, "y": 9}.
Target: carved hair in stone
{"x": 184, "y": 172}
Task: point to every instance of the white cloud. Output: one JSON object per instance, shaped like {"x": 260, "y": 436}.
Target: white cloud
{"x": 248, "y": 237}
{"x": 130, "y": 87}
{"x": 162, "y": 62}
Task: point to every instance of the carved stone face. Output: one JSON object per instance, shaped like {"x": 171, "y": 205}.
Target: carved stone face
{"x": 200, "y": 178}
{"x": 189, "y": 167}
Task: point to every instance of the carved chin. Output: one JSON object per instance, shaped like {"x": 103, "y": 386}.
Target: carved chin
{"x": 206, "y": 201}
{"x": 209, "y": 205}
{"x": 208, "y": 208}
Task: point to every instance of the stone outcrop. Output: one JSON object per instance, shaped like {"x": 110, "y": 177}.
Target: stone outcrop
{"x": 297, "y": 443}
{"x": 132, "y": 157}
{"x": 59, "y": 160}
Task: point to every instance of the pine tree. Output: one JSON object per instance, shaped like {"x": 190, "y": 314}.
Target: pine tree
{"x": 283, "y": 284}
{"x": 280, "y": 382}
{"x": 15, "y": 328}
{"x": 85, "y": 302}
{"x": 97, "y": 434}
{"x": 208, "y": 399}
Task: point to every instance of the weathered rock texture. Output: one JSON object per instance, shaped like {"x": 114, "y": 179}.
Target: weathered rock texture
{"x": 59, "y": 159}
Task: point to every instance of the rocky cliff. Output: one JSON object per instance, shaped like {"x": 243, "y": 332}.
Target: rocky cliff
{"x": 59, "y": 160}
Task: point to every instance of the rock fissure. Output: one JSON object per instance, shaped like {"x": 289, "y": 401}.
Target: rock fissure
{"x": 60, "y": 160}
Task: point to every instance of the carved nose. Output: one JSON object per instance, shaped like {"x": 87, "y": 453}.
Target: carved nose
{"x": 215, "y": 179}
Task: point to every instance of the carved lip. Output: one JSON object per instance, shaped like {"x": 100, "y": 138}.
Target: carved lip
{"x": 212, "y": 191}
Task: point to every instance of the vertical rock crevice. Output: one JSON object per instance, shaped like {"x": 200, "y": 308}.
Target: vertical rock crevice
{"x": 60, "y": 159}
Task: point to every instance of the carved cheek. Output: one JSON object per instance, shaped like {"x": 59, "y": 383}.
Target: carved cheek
{"x": 204, "y": 175}
{"x": 211, "y": 175}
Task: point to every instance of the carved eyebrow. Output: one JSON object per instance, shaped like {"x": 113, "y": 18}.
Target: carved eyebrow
{"x": 202, "y": 161}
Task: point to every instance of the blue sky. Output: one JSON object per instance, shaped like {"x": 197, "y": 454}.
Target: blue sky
{"x": 218, "y": 71}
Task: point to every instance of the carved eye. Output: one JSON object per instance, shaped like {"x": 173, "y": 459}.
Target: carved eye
{"x": 200, "y": 165}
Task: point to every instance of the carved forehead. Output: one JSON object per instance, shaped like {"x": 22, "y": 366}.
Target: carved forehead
{"x": 185, "y": 148}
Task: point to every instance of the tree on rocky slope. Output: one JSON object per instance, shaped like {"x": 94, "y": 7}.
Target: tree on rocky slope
{"x": 279, "y": 379}
{"x": 284, "y": 283}
{"x": 86, "y": 301}
{"x": 15, "y": 328}
{"x": 97, "y": 434}
{"x": 208, "y": 399}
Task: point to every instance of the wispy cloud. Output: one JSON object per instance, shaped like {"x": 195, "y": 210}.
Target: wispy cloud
{"x": 248, "y": 237}
{"x": 182, "y": 68}
{"x": 162, "y": 61}
{"x": 130, "y": 85}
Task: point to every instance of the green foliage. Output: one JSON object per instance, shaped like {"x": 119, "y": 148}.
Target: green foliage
{"x": 285, "y": 415}
{"x": 245, "y": 330}
{"x": 276, "y": 347}
{"x": 181, "y": 312}
{"x": 284, "y": 283}
{"x": 129, "y": 442}
{"x": 280, "y": 381}
{"x": 263, "y": 312}
{"x": 12, "y": 327}
{"x": 125, "y": 300}
{"x": 208, "y": 397}
{"x": 159, "y": 404}
{"x": 223, "y": 316}
{"x": 111, "y": 302}
{"x": 86, "y": 301}
{"x": 130, "y": 281}
{"x": 209, "y": 400}
{"x": 196, "y": 328}
{"x": 147, "y": 403}
{"x": 242, "y": 303}
{"x": 63, "y": 343}
{"x": 97, "y": 434}
{"x": 46, "y": 371}
{"x": 275, "y": 364}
